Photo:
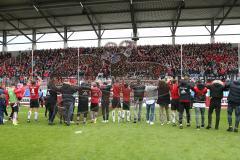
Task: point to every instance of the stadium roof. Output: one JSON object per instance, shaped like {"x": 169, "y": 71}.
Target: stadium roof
{"x": 22, "y": 16}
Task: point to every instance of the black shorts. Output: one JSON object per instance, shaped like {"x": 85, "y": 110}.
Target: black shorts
{"x": 116, "y": 102}
{"x": 174, "y": 104}
{"x": 94, "y": 107}
{"x": 34, "y": 103}
{"x": 82, "y": 106}
{"x": 41, "y": 100}
{"x": 126, "y": 106}
{"x": 163, "y": 104}
{"x": 15, "y": 107}
{"x": 163, "y": 101}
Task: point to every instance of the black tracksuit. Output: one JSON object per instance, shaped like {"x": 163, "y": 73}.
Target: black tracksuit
{"x": 106, "y": 90}
{"x": 216, "y": 95}
{"x": 83, "y": 95}
{"x": 51, "y": 101}
{"x": 234, "y": 102}
{"x": 68, "y": 101}
{"x": 138, "y": 92}
{"x": 2, "y": 105}
{"x": 185, "y": 100}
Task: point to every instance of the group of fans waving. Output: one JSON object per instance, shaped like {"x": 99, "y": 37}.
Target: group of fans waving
{"x": 181, "y": 94}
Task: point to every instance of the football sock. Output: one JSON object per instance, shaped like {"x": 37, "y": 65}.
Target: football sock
{"x": 36, "y": 115}
{"x": 119, "y": 116}
{"x": 173, "y": 117}
{"x": 113, "y": 116}
{"x": 128, "y": 115}
{"x": 29, "y": 114}
{"x": 123, "y": 115}
{"x": 15, "y": 118}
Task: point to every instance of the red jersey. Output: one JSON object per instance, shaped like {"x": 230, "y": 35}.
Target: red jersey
{"x": 116, "y": 90}
{"x": 95, "y": 95}
{"x": 126, "y": 94}
{"x": 18, "y": 92}
{"x": 174, "y": 91}
{"x": 34, "y": 91}
{"x": 199, "y": 92}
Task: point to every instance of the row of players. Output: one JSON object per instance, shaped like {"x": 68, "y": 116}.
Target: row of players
{"x": 164, "y": 93}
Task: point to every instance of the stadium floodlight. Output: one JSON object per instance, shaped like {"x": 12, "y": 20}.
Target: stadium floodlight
{"x": 35, "y": 8}
{"x": 81, "y": 4}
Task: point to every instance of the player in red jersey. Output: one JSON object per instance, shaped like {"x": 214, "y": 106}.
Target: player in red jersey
{"x": 95, "y": 96}
{"x": 34, "y": 98}
{"x": 173, "y": 85}
{"x": 126, "y": 91}
{"x": 116, "y": 103}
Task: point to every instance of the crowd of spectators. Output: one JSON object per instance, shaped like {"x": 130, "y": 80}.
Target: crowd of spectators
{"x": 198, "y": 59}
{"x": 149, "y": 62}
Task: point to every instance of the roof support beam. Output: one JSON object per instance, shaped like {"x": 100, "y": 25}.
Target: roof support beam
{"x": 19, "y": 20}
{"x": 119, "y": 11}
{"x": 212, "y": 33}
{"x": 100, "y": 37}
{"x": 207, "y": 29}
{"x": 88, "y": 13}
{"x": 179, "y": 11}
{"x": 70, "y": 35}
{"x": 50, "y": 23}
{"x": 221, "y": 9}
{"x": 133, "y": 21}
{"x": 48, "y": 5}
{"x": 15, "y": 27}
{"x": 226, "y": 14}
{"x": 12, "y": 39}
{"x": 4, "y": 43}
{"x": 173, "y": 34}
{"x": 38, "y": 10}
{"x": 34, "y": 37}
{"x": 129, "y": 22}
{"x": 40, "y": 37}
{"x": 65, "y": 45}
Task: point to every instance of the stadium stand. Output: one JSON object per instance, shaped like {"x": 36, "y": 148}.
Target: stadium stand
{"x": 146, "y": 61}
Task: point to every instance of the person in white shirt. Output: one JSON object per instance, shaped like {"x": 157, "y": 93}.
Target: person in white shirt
{"x": 151, "y": 93}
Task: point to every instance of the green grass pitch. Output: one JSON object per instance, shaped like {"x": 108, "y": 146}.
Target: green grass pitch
{"x": 124, "y": 141}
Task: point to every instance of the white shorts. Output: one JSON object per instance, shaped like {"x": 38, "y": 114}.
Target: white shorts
{"x": 199, "y": 105}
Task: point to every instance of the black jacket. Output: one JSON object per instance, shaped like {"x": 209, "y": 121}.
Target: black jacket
{"x": 67, "y": 93}
{"x": 234, "y": 93}
{"x": 51, "y": 96}
{"x": 138, "y": 91}
{"x": 106, "y": 90}
{"x": 216, "y": 90}
{"x": 184, "y": 91}
{"x": 163, "y": 93}
{"x": 84, "y": 93}
{"x": 2, "y": 103}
